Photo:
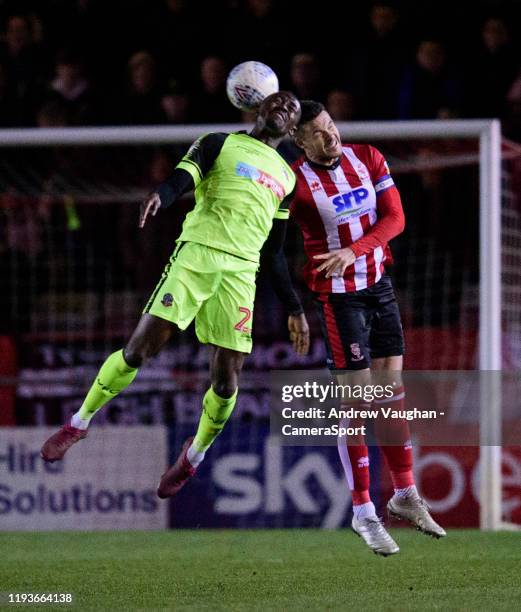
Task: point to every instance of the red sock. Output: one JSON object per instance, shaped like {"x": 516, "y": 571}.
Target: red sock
{"x": 394, "y": 437}
{"x": 354, "y": 455}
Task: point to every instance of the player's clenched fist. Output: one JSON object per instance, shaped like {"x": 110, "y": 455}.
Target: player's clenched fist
{"x": 149, "y": 206}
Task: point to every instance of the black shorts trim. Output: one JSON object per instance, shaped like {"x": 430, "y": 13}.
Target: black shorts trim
{"x": 361, "y": 326}
{"x": 164, "y": 276}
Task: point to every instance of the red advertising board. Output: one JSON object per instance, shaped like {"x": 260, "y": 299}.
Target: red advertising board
{"x": 448, "y": 479}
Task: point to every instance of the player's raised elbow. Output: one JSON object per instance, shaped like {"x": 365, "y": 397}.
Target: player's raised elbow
{"x": 395, "y": 223}
{"x": 400, "y": 222}
{"x": 390, "y": 207}
{"x": 397, "y": 211}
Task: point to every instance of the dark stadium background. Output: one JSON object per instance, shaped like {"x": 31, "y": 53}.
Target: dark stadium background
{"x": 134, "y": 53}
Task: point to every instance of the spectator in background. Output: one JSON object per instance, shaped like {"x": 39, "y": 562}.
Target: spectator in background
{"x": 512, "y": 123}
{"x": 377, "y": 64}
{"x": 262, "y": 34}
{"x": 210, "y": 103}
{"x": 103, "y": 31}
{"x": 24, "y": 65}
{"x": 340, "y": 105}
{"x": 305, "y": 76}
{"x": 53, "y": 113}
{"x": 170, "y": 30}
{"x": 142, "y": 104}
{"x": 8, "y": 109}
{"x": 428, "y": 85}
{"x": 175, "y": 104}
{"x": 493, "y": 68}
{"x": 72, "y": 88}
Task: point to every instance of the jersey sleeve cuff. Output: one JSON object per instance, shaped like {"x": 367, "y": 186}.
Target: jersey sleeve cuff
{"x": 166, "y": 195}
{"x": 356, "y": 249}
{"x": 192, "y": 169}
{"x": 296, "y": 312}
{"x": 282, "y": 214}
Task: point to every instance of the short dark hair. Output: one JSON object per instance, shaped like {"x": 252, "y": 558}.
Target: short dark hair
{"x": 309, "y": 110}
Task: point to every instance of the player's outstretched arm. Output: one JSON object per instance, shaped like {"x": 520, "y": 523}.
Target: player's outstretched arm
{"x": 274, "y": 261}
{"x": 186, "y": 176}
{"x": 149, "y": 206}
{"x": 390, "y": 218}
{"x": 168, "y": 192}
{"x": 390, "y": 223}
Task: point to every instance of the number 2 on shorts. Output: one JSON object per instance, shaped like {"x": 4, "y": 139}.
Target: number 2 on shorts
{"x": 240, "y": 326}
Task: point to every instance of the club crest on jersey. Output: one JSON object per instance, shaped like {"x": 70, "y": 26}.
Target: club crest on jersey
{"x": 193, "y": 148}
{"x": 167, "y": 300}
{"x": 261, "y": 177}
{"x": 363, "y": 462}
{"x": 356, "y": 352}
{"x": 346, "y": 201}
{"x": 361, "y": 170}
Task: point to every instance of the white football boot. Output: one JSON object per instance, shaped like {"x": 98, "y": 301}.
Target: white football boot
{"x": 375, "y": 535}
{"x": 417, "y": 512}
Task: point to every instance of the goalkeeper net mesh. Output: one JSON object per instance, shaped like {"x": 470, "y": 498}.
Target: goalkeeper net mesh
{"x": 75, "y": 272}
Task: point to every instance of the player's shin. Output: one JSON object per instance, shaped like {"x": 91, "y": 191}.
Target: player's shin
{"x": 394, "y": 438}
{"x": 216, "y": 411}
{"x": 355, "y": 460}
{"x": 354, "y": 455}
{"x": 114, "y": 376}
{"x": 405, "y": 504}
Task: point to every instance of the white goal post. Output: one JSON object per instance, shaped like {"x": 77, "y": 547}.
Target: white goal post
{"x": 488, "y": 132}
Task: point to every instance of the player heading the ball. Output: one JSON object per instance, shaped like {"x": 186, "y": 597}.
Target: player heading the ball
{"x": 242, "y": 192}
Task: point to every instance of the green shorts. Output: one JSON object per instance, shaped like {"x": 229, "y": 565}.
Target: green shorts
{"x": 215, "y": 288}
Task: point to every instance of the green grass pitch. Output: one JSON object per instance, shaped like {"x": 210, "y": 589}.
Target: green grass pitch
{"x": 263, "y": 570}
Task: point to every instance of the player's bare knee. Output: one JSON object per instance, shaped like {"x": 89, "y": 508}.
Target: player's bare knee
{"x": 393, "y": 363}
{"x": 133, "y": 357}
{"x": 224, "y": 388}
{"x": 388, "y": 371}
{"x": 139, "y": 349}
{"x": 355, "y": 377}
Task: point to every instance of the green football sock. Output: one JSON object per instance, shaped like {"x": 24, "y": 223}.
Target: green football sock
{"x": 114, "y": 376}
{"x": 216, "y": 411}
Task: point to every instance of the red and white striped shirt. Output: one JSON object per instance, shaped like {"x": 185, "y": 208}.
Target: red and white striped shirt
{"x": 353, "y": 203}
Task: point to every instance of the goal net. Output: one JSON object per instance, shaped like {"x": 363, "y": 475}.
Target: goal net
{"x": 76, "y": 272}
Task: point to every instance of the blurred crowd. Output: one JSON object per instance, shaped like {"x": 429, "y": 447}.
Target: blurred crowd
{"x": 100, "y": 62}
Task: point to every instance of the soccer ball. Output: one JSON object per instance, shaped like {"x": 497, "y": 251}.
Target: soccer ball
{"x": 249, "y": 83}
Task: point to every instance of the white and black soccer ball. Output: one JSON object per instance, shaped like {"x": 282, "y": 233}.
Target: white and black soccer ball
{"x": 249, "y": 83}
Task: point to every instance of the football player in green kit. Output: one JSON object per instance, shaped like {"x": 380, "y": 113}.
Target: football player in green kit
{"x": 242, "y": 192}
